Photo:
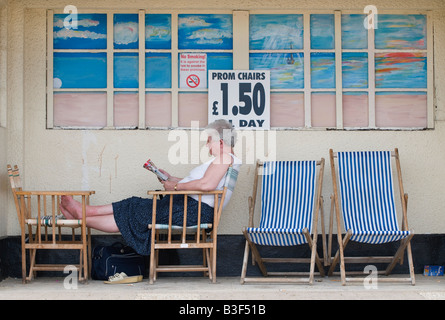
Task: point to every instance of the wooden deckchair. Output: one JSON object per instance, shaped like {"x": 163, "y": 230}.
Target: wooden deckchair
{"x": 204, "y": 235}
{"x": 41, "y": 225}
{"x": 290, "y": 204}
{"x": 365, "y": 199}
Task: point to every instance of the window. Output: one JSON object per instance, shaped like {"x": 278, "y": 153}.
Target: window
{"x": 124, "y": 69}
{"x": 329, "y": 71}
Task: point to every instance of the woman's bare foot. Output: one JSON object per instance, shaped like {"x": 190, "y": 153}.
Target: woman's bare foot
{"x": 70, "y": 208}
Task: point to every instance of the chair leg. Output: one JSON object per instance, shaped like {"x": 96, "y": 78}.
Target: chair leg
{"x": 245, "y": 262}
{"x": 399, "y": 254}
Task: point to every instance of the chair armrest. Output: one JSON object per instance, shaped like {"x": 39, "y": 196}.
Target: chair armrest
{"x": 54, "y": 193}
{"x": 193, "y": 192}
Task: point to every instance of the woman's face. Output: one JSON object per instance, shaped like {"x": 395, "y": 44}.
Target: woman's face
{"x": 213, "y": 146}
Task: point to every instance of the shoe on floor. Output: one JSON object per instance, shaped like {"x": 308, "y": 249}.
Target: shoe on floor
{"x": 123, "y": 278}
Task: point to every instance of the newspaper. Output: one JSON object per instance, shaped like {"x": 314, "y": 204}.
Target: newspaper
{"x": 149, "y": 165}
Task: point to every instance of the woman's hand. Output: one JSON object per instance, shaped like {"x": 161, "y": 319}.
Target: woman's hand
{"x": 169, "y": 185}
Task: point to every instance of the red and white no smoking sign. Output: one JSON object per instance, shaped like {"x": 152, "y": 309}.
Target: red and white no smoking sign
{"x": 193, "y": 70}
{"x": 193, "y": 81}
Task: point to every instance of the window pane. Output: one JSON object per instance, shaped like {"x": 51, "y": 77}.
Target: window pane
{"x": 287, "y": 109}
{"x": 80, "y": 109}
{"x": 126, "y": 70}
{"x": 323, "y": 70}
{"x": 219, "y": 61}
{"x": 400, "y": 32}
{"x": 80, "y": 70}
{"x": 126, "y": 109}
{"x": 205, "y": 31}
{"x": 126, "y": 31}
{"x": 355, "y": 109}
{"x": 286, "y": 69}
{"x": 158, "y": 31}
{"x": 355, "y": 69}
{"x": 158, "y": 72}
{"x": 400, "y": 70}
{"x": 323, "y": 109}
{"x": 88, "y": 31}
{"x": 192, "y": 107}
{"x": 158, "y": 109}
{"x": 276, "y": 31}
{"x": 322, "y": 31}
{"x": 354, "y": 35}
{"x": 401, "y": 109}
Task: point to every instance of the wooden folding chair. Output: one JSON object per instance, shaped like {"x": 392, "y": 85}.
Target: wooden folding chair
{"x": 366, "y": 202}
{"x": 290, "y": 204}
{"x": 204, "y": 235}
{"x": 41, "y": 225}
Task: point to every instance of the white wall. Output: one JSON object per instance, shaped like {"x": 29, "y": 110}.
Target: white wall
{"x": 110, "y": 162}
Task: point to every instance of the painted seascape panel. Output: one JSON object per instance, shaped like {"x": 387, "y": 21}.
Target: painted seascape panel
{"x": 126, "y": 109}
{"x": 323, "y": 111}
{"x": 355, "y": 70}
{"x": 322, "y": 31}
{"x": 158, "y": 68}
{"x": 126, "y": 70}
{"x": 353, "y": 33}
{"x": 401, "y": 109}
{"x": 355, "y": 110}
{"x": 158, "y": 109}
{"x": 158, "y": 31}
{"x": 286, "y": 70}
{"x": 125, "y": 31}
{"x": 323, "y": 70}
{"x": 75, "y": 109}
{"x": 88, "y": 31}
{"x": 287, "y": 109}
{"x": 80, "y": 70}
{"x": 408, "y": 31}
{"x": 205, "y": 31}
{"x": 276, "y": 31}
{"x": 401, "y": 70}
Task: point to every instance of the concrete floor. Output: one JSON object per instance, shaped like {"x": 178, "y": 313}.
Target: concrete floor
{"x": 190, "y": 288}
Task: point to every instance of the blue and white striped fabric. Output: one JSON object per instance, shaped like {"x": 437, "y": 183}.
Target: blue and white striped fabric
{"x": 287, "y": 203}
{"x": 367, "y": 196}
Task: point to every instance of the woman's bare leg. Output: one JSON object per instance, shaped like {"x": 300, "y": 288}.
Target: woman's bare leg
{"x": 72, "y": 208}
{"x": 98, "y": 217}
{"x": 105, "y": 223}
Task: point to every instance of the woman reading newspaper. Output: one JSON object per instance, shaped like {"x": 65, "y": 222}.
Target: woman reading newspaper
{"x": 131, "y": 216}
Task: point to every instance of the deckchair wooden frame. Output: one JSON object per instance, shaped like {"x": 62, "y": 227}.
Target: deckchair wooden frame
{"x": 343, "y": 241}
{"x": 286, "y": 277}
{"x": 204, "y": 236}
{"x": 39, "y": 233}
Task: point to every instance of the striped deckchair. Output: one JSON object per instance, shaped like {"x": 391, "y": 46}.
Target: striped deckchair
{"x": 365, "y": 198}
{"x": 290, "y": 203}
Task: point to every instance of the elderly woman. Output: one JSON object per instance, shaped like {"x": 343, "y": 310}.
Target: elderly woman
{"x": 132, "y": 216}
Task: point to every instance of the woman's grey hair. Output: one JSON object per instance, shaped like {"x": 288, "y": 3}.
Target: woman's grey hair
{"x": 222, "y": 129}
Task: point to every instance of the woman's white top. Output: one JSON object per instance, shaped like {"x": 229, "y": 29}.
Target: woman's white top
{"x": 198, "y": 173}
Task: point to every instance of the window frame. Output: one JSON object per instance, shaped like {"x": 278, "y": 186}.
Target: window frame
{"x": 240, "y": 53}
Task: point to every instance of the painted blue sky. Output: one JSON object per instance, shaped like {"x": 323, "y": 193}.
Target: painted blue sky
{"x": 276, "y": 31}
{"x": 322, "y": 31}
{"x": 355, "y": 69}
{"x": 400, "y": 32}
{"x": 126, "y": 31}
{"x": 286, "y": 70}
{"x": 323, "y": 70}
{"x": 80, "y": 70}
{"x": 91, "y": 32}
{"x": 354, "y": 35}
{"x": 158, "y": 31}
{"x": 205, "y": 31}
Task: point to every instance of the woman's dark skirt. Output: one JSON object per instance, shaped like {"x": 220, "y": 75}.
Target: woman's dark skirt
{"x": 133, "y": 215}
